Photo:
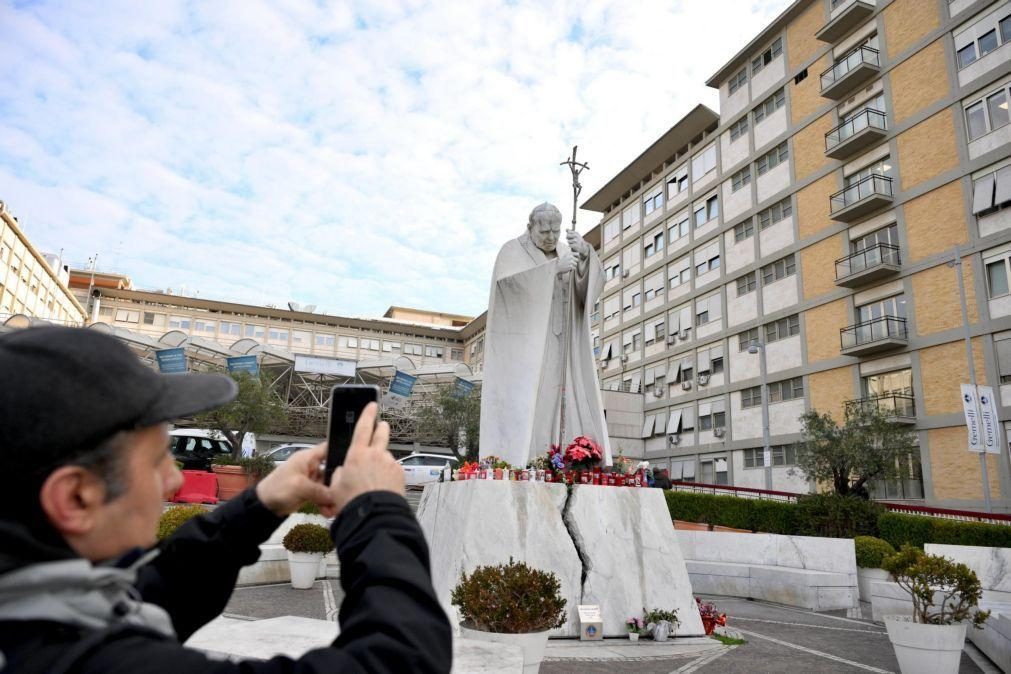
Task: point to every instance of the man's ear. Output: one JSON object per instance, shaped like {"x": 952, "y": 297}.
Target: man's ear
{"x": 70, "y": 497}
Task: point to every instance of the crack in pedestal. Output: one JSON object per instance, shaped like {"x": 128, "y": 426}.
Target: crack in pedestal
{"x": 577, "y": 540}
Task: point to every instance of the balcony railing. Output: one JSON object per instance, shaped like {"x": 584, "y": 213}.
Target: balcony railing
{"x": 876, "y": 334}
{"x": 854, "y": 69}
{"x": 862, "y": 197}
{"x": 866, "y": 265}
{"x": 900, "y": 406}
{"x": 850, "y": 14}
{"x": 856, "y": 133}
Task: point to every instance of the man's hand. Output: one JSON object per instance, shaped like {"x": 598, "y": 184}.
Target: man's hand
{"x": 578, "y": 245}
{"x": 297, "y": 480}
{"x": 368, "y": 466}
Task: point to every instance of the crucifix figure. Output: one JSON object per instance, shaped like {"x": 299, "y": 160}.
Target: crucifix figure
{"x": 539, "y": 379}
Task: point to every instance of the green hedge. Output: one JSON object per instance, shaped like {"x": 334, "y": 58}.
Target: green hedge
{"x": 834, "y": 517}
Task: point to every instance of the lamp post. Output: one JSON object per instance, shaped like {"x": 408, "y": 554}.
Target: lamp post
{"x": 753, "y": 348}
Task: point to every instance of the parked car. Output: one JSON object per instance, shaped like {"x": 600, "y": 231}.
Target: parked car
{"x": 282, "y": 453}
{"x": 195, "y": 447}
{"x": 421, "y": 469}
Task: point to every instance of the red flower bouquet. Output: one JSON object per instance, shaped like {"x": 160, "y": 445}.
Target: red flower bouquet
{"x": 583, "y": 453}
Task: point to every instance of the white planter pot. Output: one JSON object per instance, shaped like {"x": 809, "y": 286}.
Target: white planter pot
{"x": 532, "y": 645}
{"x": 303, "y": 566}
{"x": 633, "y": 636}
{"x": 926, "y": 649}
{"x": 867, "y": 576}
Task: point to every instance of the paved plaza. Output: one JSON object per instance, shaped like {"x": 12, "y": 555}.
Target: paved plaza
{"x": 779, "y": 639}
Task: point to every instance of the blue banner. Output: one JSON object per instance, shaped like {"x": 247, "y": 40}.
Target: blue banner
{"x": 462, "y": 388}
{"x": 171, "y": 361}
{"x": 402, "y": 384}
{"x": 244, "y": 364}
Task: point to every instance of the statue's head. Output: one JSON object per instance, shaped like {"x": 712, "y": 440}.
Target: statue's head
{"x": 545, "y": 226}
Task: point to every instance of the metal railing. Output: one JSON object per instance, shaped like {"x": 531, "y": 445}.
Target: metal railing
{"x": 874, "y": 330}
{"x": 867, "y": 258}
{"x": 891, "y": 404}
{"x": 742, "y": 492}
{"x": 851, "y": 60}
{"x": 868, "y": 118}
{"x": 861, "y": 189}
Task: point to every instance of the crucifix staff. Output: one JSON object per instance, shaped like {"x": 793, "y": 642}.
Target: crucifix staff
{"x": 576, "y": 168}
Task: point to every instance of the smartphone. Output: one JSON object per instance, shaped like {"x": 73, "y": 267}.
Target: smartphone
{"x": 346, "y": 404}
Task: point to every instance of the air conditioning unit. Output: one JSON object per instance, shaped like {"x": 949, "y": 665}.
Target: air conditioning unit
{"x": 686, "y": 385}
{"x": 703, "y": 378}
{"x": 671, "y": 338}
{"x": 624, "y": 358}
{"x": 624, "y": 273}
{"x": 719, "y": 431}
{"x": 683, "y": 335}
{"x": 674, "y": 439}
{"x": 658, "y": 393}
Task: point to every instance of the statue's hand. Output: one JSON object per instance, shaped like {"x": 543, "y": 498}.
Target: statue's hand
{"x": 567, "y": 263}
{"x": 577, "y": 244}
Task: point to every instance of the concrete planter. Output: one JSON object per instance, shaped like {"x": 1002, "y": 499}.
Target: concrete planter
{"x": 532, "y": 645}
{"x": 926, "y": 649}
{"x": 867, "y": 576}
{"x": 304, "y": 566}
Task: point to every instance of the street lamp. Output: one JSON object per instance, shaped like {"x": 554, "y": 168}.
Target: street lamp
{"x": 753, "y": 348}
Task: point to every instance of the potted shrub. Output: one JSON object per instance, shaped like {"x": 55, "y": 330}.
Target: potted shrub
{"x": 635, "y": 627}
{"x": 173, "y": 518}
{"x": 931, "y": 640}
{"x": 512, "y": 604}
{"x": 660, "y": 623}
{"x": 871, "y": 553}
{"x": 237, "y": 475}
{"x": 306, "y": 544}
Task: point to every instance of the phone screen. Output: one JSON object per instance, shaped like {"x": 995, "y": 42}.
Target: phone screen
{"x": 346, "y": 405}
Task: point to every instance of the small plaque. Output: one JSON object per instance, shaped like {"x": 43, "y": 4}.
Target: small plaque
{"x": 591, "y": 623}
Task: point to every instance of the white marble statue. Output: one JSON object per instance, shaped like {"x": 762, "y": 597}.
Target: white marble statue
{"x": 542, "y": 292}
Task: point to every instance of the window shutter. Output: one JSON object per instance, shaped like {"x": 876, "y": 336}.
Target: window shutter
{"x": 704, "y": 361}
{"x": 674, "y": 423}
{"x": 661, "y": 423}
{"x": 1004, "y": 356}
{"x": 636, "y": 382}
{"x": 650, "y": 376}
{"x": 647, "y": 427}
{"x": 982, "y": 194}
{"x": 719, "y": 405}
{"x": 626, "y": 338}
{"x": 650, "y": 335}
{"x": 1003, "y": 186}
{"x": 674, "y": 373}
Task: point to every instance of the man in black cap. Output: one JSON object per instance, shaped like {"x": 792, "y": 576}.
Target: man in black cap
{"x": 85, "y": 465}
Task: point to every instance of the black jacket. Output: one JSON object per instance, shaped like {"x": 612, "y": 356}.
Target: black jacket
{"x": 390, "y": 618}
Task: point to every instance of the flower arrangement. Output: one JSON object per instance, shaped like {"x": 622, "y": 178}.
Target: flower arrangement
{"x": 710, "y": 616}
{"x": 468, "y": 468}
{"x": 583, "y": 452}
{"x": 635, "y": 625}
{"x": 621, "y": 463}
{"x": 555, "y": 459}
{"x": 491, "y": 462}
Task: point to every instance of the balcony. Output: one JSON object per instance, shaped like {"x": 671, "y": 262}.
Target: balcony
{"x": 848, "y": 18}
{"x": 848, "y": 74}
{"x": 861, "y": 198}
{"x": 899, "y": 407}
{"x": 868, "y": 265}
{"x": 878, "y": 334}
{"x": 856, "y": 134}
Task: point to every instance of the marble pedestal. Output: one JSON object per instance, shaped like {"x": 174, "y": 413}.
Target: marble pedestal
{"x": 611, "y": 546}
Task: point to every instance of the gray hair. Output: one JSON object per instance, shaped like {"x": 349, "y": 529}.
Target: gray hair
{"x": 545, "y": 209}
{"x": 107, "y": 461}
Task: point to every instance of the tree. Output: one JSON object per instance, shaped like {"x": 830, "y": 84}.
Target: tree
{"x": 452, "y": 419}
{"x": 867, "y": 446}
{"x": 255, "y": 410}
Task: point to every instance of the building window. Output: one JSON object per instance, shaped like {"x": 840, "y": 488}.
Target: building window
{"x": 1003, "y": 347}
{"x": 277, "y": 335}
{"x": 413, "y": 349}
{"x": 678, "y": 181}
{"x": 148, "y": 318}
{"x": 612, "y": 268}
{"x": 766, "y": 57}
{"x": 127, "y": 316}
{"x": 679, "y": 272}
{"x": 740, "y": 179}
{"x": 630, "y": 216}
{"x": 997, "y": 277}
{"x": 791, "y": 389}
{"x": 326, "y": 340}
{"x": 707, "y": 259}
{"x": 782, "y": 455}
{"x": 205, "y": 326}
{"x": 988, "y": 113}
{"x": 678, "y": 230}
{"x": 746, "y": 284}
{"x": 770, "y": 105}
{"x": 390, "y": 347}
{"x": 433, "y": 351}
{"x": 654, "y": 244}
{"x": 886, "y": 235}
{"x": 992, "y": 192}
{"x": 707, "y": 211}
{"x": 611, "y": 229}
{"x": 738, "y": 81}
{"x": 744, "y": 230}
{"x": 228, "y": 328}
{"x": 984, "y": 44}
{"x": 704, "y": 162}
{"x": 712, "y": 415}
{"x": 890, "y": 306}
{"x": 745, "y": 339}
{"x": 738, "y": 128}
{"x": 179, "y": 322}
{"x": 653, "y": 202}
{"x": 708, "y": 309}
{"x": 775, "y": 213}
{"x": 779, "y": 269}
{"x": 456, "y": 354}
{"x": 751, "y": 397}
{"x": 783, "y": 328}
{"x": 773, "y": 158}
{"x": 370, "y": 344}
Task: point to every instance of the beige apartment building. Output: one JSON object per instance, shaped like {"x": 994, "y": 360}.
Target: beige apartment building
{"x": 861, "y": 149}
{"x": 32, "y": 285}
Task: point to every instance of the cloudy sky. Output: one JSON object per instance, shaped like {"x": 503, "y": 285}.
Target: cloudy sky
{"x": 351, "y": 155}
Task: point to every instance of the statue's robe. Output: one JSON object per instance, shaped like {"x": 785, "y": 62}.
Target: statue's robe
{"x": 528, "y": 310}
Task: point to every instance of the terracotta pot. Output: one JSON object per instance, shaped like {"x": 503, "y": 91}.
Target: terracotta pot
{"x": 232, "y": 480}
{"x": 709, "y": 624}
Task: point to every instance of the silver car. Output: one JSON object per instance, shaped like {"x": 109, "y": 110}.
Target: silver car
{"x": 282, "y": 453}
{"x": 422, "y": 469}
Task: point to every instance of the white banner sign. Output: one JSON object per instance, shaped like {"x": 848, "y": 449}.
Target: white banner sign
{"x": 988, "y": 420}
{"x": 970, "y": 406}
{"x": 321, "y": 365}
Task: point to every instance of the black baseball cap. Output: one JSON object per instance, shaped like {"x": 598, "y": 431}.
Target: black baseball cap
{"x": 64, "y": 391}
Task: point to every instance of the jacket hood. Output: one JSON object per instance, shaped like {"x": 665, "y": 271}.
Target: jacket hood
{"x": 22, "y": 545}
